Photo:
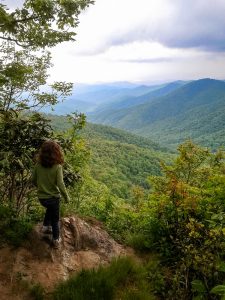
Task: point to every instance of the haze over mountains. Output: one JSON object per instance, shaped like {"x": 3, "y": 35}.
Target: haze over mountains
{"x": 94, "y": 98}
{"x": 168, "y": 113}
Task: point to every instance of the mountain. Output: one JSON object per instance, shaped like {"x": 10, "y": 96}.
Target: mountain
{"x": 135, "y": 97}
{"x": 195, "y": 110}
{"x": 86, "y": 98}
{"x": 98, "y": 97}
{"x": 95, "y": 131}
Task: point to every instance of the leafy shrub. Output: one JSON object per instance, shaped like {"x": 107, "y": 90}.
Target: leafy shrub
{"x": 136, "y": 240}
{"x": 17, "y": 232}
{"x": 14, "y": 230}
{"x": 187, "y": 205}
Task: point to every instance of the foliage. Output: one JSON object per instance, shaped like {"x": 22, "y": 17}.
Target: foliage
{"x": 188, "y": 220}
{"x": 23, "y": 90}
{"x": 40, "y": 23}
{"x": 114, "y": 134}
{"x": 122, "y": 161}
{"x": 118, "y": 159}
{"x": 22, "y": 77}
{"x": 122, "y": 279}
{"x": 219, "y": 290}
{"x": 13, "y": 230}
{"x": 20, "y": 137}
{"x": 183, "y": 220}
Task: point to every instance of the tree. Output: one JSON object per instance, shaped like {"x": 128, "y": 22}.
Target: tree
{"x": 23, "y": 90}
{"x": 37, "y": 24}
{"x": 23, "y": 80}
{"x": 187, "y": 224}
{"x": 20, "y": 138}
{"x": 41, "y": 23}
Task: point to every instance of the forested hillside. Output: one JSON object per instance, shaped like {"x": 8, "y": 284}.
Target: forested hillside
{"x": 195, "y": 110}
{"x": 122, "y": 160}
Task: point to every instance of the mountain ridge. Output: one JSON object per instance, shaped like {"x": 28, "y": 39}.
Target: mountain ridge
{"x": 161, "y": 118}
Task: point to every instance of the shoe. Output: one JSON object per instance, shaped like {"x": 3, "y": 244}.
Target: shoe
{"x": 46, "y": 229}
{"x": 56, "y": 243}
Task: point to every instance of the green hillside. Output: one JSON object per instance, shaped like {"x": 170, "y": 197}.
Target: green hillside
{"x": 195, "y": 110}
{"x": 114, "y": 134}
{"x": 122, "y": 160}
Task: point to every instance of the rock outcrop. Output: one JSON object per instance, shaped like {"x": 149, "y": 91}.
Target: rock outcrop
{"x": 84, "y": 245}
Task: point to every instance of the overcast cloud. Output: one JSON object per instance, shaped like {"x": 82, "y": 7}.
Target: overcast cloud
{"x": 146, "y": 41}
{"x": 172, "y": 23}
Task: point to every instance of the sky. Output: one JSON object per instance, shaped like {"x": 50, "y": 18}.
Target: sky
{"x": 144, "y": 41}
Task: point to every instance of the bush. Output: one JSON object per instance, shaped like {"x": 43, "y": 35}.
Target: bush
{"x": 14, "y": 230}
{"x": 187, "y": 205}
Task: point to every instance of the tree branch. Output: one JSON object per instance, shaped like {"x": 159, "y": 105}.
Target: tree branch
{"x": 16, "y": 41}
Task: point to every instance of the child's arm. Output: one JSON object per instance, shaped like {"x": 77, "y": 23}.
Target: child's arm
{"x": 61, "y": 185}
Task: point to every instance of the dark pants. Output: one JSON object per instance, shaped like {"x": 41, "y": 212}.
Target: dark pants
{"x": 51, "y": 215}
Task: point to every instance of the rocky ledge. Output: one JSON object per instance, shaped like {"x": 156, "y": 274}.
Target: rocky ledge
{"x": 85, "y": 244}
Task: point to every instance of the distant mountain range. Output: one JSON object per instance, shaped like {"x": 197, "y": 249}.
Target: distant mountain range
{"x": 193, "y": 110}
{"x": 94, "y": 98}
{"x": 87, "y": 98}
{"x": 167, "y": 113}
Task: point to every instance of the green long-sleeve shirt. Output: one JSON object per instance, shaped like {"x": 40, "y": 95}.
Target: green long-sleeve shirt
{"x": 49, "y": 182}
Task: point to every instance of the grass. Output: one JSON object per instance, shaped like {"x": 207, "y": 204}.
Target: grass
{"x": 122, "y": 279}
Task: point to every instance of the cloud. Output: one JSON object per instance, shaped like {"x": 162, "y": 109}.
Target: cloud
{"x": 195, "y": 24}
{"x": 143, "y": 41}
{"x": 181, "y": 24}
{"x": 175, "y": 24}
{"x": 149, "y": 60}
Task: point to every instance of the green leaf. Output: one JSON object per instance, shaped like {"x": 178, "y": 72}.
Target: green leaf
{"x": 198, "y": 286}
{"x": 218, "y": 290}
{"x": 222, "y": 267}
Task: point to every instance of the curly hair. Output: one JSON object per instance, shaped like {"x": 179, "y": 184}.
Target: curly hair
{"x": 50, "y": 154}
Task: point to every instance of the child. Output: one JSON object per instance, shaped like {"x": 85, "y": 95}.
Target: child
{"x": 48, "y": 177}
